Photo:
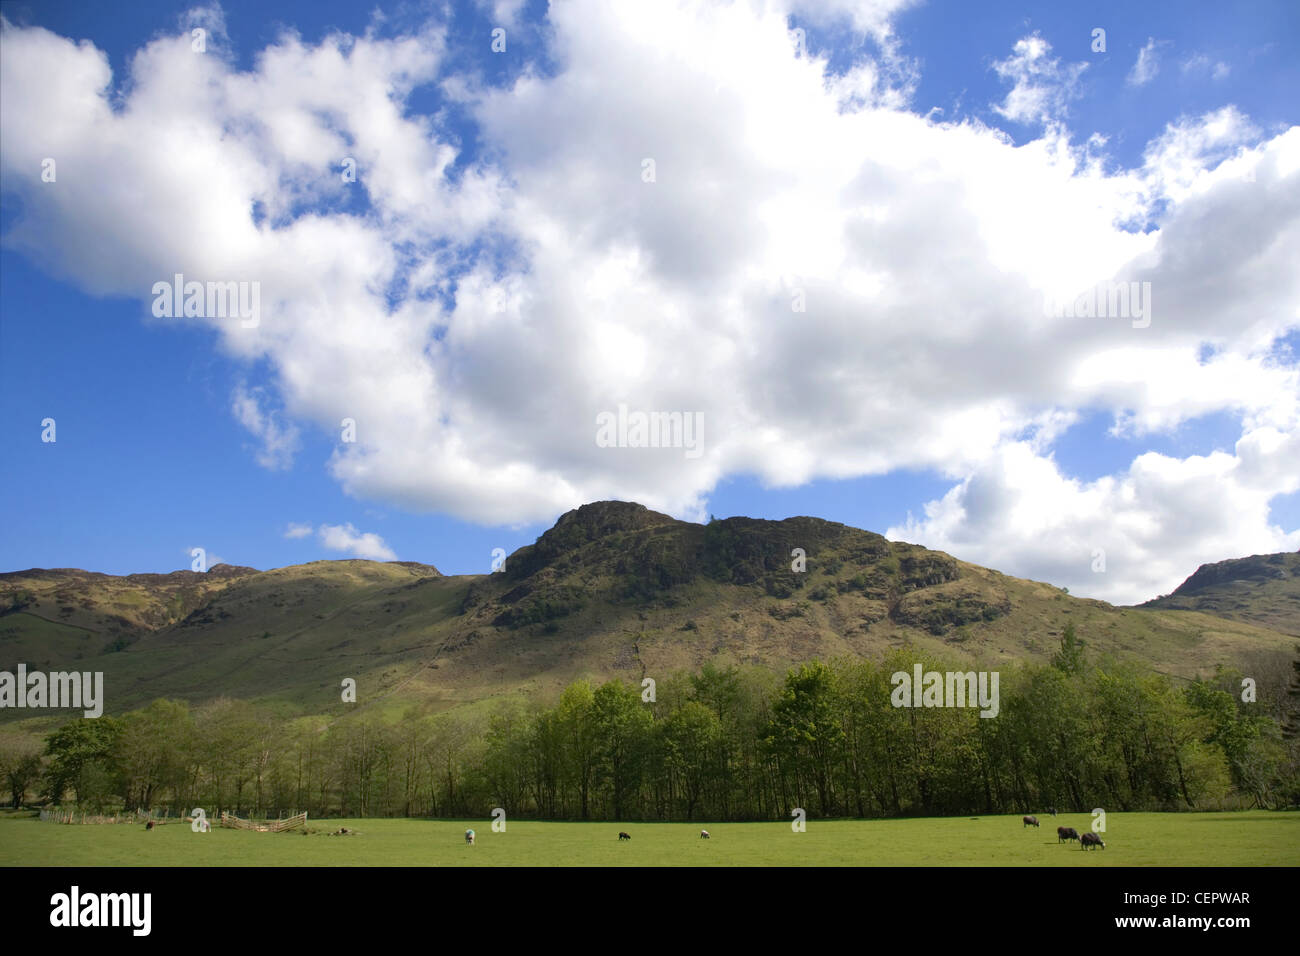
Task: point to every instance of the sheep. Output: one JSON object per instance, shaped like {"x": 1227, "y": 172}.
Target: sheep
{"x": 1066, "y": 833}
{"x": 704, "y": 834}
{"x": 1030, "y": 821}
{"x": 624, "y": 836}
{"x": 1090, "y": 840}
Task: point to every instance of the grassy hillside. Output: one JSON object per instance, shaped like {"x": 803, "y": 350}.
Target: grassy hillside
{"x": 613, "y": 589}
{"x": 103, "y": 606}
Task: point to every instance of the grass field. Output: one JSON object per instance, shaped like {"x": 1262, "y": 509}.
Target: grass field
{"x": 1254, "y": 838}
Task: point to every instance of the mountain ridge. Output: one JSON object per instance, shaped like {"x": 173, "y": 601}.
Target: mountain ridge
{"x": 611, "y": 589}
{"x": 1261, "y": 588}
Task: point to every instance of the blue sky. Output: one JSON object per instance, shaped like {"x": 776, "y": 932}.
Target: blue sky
{"x": 497, "y": 276}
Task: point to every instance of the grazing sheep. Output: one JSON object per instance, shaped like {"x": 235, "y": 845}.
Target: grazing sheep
{"x": 149, "y": 825}
{"x": 1030, "y": 822}
{"x": 704, "y": 834}
{"x": 1066, "y": 833}
{"x": 1090, "y": 840}
{"x": 469, "y": 837}
{"x": 624, "y": 836}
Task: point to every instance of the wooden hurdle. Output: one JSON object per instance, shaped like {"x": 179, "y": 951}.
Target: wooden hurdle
{"x": 233, "y": 822}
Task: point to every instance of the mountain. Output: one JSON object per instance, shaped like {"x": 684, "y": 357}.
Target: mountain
{"x": 613, "y": 589}
{"x": 1262, "y": 589}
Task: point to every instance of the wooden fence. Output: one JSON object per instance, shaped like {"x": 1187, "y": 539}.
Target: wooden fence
{"x": 270, "y": 826}
{"x": 58, "y": 815}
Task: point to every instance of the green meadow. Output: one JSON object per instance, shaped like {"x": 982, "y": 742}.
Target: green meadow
{"x": 1254, "y": 838}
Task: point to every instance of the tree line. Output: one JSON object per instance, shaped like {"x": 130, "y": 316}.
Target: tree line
{"x": 724, "y": 743}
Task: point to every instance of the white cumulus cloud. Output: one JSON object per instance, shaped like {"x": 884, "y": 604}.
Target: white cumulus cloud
{"x": 359, "y": 544}
{"x": 1042, "y": 88}
{"x": 480, "y": 315}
